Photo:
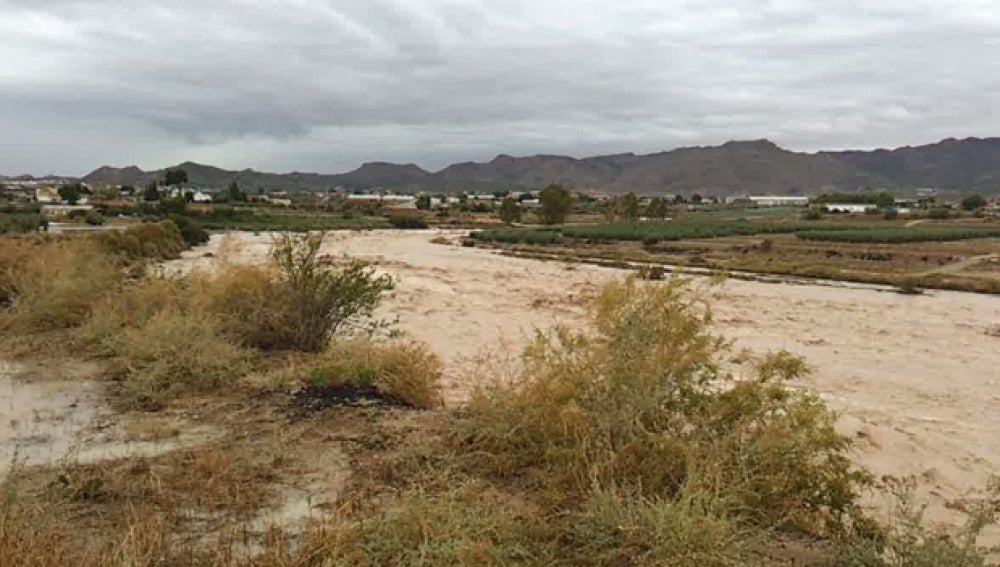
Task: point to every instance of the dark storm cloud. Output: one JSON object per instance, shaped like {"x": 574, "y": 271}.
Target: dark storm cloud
{"x": 324, "y": 84}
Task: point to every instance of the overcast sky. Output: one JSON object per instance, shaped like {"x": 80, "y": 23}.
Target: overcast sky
{"x": 323, "y": 85}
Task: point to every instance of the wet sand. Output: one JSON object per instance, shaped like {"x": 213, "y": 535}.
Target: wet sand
{"x": 916, "y": 379}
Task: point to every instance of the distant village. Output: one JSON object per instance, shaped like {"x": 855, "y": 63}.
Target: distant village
{"x": 57, "y": 197}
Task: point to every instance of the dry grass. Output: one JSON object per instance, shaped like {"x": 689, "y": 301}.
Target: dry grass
{"x": 178, "y": 352}
{"x": 134, "y": 305}
{"x": 408, "y": 371}
{"x": 469, "y": 525}
{"x": 54, "y": 285}
{"x": 146, "y": 241}
{"x": 187, "y": 507}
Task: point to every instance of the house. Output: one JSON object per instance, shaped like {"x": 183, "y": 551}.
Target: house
{"x": 47, "y": 195}
{"x": 200, "y": 197}
{"x": 279, "y": 202}
{"x": 850, "y": 207}
{"x": 778, "y": 201}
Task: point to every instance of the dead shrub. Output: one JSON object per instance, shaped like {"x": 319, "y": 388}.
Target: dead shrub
{"x": 408, "y": 371}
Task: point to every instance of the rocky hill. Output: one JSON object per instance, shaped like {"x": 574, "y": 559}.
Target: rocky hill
{"x": 735, "y": 167}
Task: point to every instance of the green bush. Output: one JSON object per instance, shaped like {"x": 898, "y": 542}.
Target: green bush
{"x": 297, "y": 303}
{"x": 470, "y": 525}
{"x": 93, "y": 218}
{"x": 178, "y": 351}
{"x": 21, "y": 222}
{"x": 939, "y": 213}
{"x": 407, "y": 371}
{"x": 191, "y": 231}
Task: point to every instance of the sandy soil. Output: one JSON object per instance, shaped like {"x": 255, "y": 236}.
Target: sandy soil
{"x": 915, "y": 378}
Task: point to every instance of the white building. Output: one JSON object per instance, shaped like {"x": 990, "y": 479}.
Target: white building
{"x": 850, "y": 207}
{"x": 200, "y": 197}
{"x": 47, "y": 195}
{"x": 779, "y": 201}
{"x": 60, "y": 211}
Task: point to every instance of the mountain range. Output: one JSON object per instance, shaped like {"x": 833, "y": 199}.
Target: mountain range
{"x": 755, "y": 167}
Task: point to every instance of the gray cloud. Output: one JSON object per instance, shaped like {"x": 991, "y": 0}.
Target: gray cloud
{"x": 325, "y": 84}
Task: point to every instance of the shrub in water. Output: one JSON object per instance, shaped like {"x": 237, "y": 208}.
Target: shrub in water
{"x": 642, "y": 404}
{"x": 297, "y": 303}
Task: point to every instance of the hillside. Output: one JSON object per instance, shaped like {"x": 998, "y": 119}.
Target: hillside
{"x": 758, "y": 166}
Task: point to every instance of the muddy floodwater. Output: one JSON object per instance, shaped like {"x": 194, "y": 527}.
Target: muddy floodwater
{"x": 56, "y": 413}
{"x": 916, "y": 379}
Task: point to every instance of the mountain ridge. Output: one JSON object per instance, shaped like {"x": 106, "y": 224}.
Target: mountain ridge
{"x": 738, "y": 166}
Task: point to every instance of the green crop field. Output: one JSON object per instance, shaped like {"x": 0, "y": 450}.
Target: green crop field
{"x": 891, "y": 235}
{"x": 652, "y": 231}
{"x": 517, "y": 236}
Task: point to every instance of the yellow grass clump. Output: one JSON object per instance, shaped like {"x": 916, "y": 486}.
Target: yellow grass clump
{"x": 54, "y": 285}
{"x": 408, "y": 371}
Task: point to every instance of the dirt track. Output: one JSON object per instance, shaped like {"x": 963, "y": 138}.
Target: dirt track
{"x": 916, "y": 378}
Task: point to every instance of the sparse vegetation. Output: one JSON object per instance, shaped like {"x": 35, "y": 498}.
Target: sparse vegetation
{"x": 191, "y": 231}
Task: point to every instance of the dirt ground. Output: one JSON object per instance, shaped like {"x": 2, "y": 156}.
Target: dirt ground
{"x": 916, "y": 379}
